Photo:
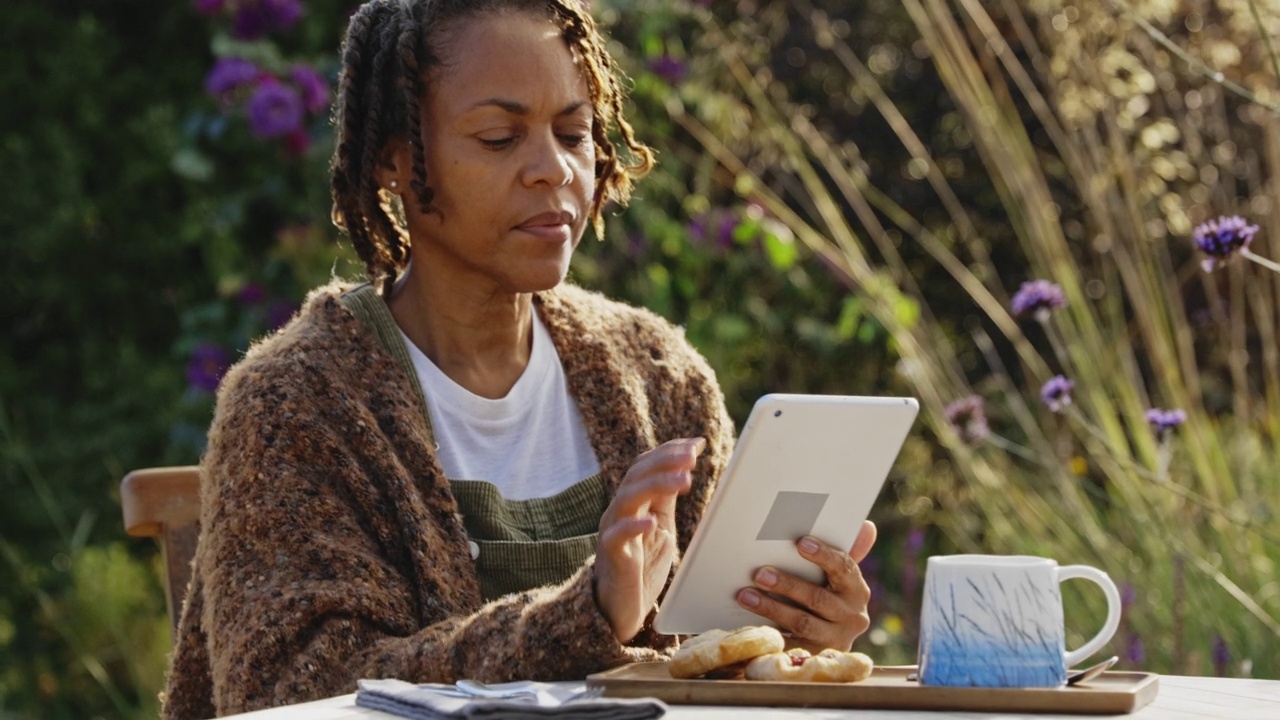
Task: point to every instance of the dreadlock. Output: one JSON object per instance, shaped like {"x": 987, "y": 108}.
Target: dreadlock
{"x": 385, "y": 56}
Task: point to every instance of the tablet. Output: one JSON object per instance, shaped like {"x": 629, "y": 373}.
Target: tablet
{"x": 803, "y": 465}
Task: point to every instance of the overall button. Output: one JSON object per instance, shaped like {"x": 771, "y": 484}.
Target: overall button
{"x": 475, "y": 549}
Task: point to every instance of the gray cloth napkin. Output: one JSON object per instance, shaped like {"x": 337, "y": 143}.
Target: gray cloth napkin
{"x": 439, "y": 702}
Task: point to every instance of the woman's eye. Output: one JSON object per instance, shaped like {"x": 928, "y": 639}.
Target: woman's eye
{"x": 497, "y": 143}
{"x": 573, "y": 140}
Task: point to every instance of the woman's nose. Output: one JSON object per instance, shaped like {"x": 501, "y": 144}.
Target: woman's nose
{"x": 549, "y": 161}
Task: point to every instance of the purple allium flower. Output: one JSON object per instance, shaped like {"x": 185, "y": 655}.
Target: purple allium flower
{"x": 870, "y": 566}
{"x": 1221, "y": 656}
{"x": 279, "y": 313}
{"x": 1128, "y": 594}
{"x": 282, "y": 13}
{"x": 725, "y": 231}
{"x": 1222, "y": 238}
{"x": 697, "y": 229}
{"x": 314, "y": 87}
{"x": 1134, "y": 651}
{"x": 637, "y": 243}
{"x": 227, "y": 74}
{"x": 1162, "y": 421}
{"x": 275, "y": 110}
{"x": 255, "y": 18}
{"x": 911, "y": 561}
{"x": 668, "y": 68}
{"x": 1056, "y": 393}
{"x": 969, "y": 419}
{"x": 1038, "y": 298}
{"x": 251, "y": 294}
{"x": 915, "y": 541}
{"x": 206, "y": 366}
{"x": 249, "y": 22}
{"x": 209, "y": 7}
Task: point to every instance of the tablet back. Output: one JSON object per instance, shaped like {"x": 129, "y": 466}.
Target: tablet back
{"x": 803, "y": 465}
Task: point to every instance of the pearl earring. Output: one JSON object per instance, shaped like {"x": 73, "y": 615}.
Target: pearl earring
{"x": 395, "y": 184}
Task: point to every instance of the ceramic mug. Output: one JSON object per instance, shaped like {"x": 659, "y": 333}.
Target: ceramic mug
{"x": 996, "y": 621}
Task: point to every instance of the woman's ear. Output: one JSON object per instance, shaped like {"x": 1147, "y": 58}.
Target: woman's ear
{"x": 395, "y": 166}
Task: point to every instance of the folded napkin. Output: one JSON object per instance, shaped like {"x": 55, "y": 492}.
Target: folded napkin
{"x": 538, "y": 700}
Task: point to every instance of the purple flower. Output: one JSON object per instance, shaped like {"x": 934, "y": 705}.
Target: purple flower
{"x": 870, "y": 566}
{"x": 911, "y": 562}
{"x": 1222, "y": 238}
{"x": 1056, "y": 393}
{"x": 637, "y": 243}
{"x": 1162, "y": 421}
{"x": 915, "y": 541}
{"x": 1221, "y": 656}
{"x": 255, "y": 18}
{"x": 725, "y": 232}
{"x": 969, "y": 419}
{"x": 668, "y": 68}
{"x": 209, "y": 8}
{"x": 1135, "y": 652}
{"x": 1128, "y": 594}
{"x": 228, "y": 74}
{"x": 279, "y": 313}
{"x": 314, "y": 87}
{"x": 206, "y": 366}
{"x": 251, "y": 294}
{"x": 275, "y": 110}
{"x": 1038, "y": 298}
{"x": 697, "y": 229}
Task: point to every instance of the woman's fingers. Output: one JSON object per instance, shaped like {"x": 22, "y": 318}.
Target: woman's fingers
{"x": 866, "y": 539}
{"x": 641, "y": 496}
{"x": 817, "y": 599}
{"x": 797, "y": 621}
{"x": 843, "y": 574}
{"x": 825, "y": 616}
{"x": 636, "y": 545}
{"x": 613, "y": 539}
{"x": 655, "y": 479}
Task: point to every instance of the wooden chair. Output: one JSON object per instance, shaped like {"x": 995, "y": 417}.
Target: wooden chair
{"x": 164, "y": 503}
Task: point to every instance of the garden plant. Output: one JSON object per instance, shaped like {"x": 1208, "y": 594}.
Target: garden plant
{"x": 1053, "y": 222}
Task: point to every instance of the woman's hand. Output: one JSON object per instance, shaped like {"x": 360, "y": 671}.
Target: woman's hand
{"x": 637, "y": 541}
{"x": 829, "y": 616}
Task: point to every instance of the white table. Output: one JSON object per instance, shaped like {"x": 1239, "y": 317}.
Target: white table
{"x": 1180, "y": 698}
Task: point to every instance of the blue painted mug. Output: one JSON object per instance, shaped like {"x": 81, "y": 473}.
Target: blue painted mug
{"x": 996, "y": 621}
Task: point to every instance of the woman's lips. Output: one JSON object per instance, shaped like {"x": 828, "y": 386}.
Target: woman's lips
{"x": 549, "y": 226}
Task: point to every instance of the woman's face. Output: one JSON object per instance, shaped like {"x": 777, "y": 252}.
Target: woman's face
{"x": 507, "y": 141}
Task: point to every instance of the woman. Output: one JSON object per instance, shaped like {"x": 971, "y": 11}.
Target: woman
{"x": 464, "y": 468}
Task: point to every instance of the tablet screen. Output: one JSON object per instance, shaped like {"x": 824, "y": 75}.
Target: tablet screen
{"x": 803, "y": 465}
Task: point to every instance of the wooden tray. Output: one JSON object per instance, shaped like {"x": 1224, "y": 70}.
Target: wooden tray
{"x": 887, "y": 688}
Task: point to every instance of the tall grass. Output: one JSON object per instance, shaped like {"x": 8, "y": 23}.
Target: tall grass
{"x": 87, "y": 634}
{"x": 1103, "y": 148}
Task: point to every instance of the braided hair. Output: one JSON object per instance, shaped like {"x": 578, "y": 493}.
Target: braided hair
{"x": 387, "y": 50}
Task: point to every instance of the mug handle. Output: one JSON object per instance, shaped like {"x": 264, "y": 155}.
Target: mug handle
{"x": 1113, "y": 610}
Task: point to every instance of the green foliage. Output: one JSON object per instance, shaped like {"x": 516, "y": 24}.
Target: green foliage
{"x": 844, "y": 201}
{"x": 128, "y": 207}
{"x": 1096, "y": 155}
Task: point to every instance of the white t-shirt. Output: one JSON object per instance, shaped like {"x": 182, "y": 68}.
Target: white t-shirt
{"x": 530, "y": 444}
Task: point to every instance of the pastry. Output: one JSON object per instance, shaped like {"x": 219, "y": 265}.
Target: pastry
{"x": 798, "y": 665}
{"x": 717, "y": 649}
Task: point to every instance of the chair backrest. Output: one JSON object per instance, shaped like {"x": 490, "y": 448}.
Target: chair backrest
{"x": 164, "y": 503}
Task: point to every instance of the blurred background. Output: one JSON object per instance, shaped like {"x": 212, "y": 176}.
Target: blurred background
{"x": 849, "y": 199}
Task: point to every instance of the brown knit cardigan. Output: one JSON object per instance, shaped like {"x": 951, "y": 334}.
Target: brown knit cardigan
{"x": 331, "y": 546}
